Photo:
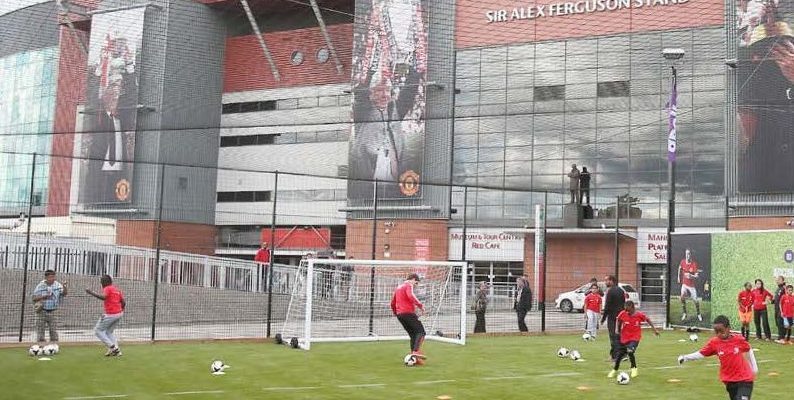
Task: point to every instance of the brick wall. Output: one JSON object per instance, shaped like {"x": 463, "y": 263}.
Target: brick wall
{"x": 70, "y": 91}
{"x": 176, "y": 236}
{"x": 245, "y": 67}
{"x": 407, "y": 239}
{"x": 572, "y": 260}
{"x": 758, "y": 223}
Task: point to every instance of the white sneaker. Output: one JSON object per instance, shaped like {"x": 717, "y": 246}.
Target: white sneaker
{"x": 683, "y": 317}
{"x": 700, "y": 318}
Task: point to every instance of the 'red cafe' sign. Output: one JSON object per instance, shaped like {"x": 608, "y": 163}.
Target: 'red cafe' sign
{"x": 487, "y": 244}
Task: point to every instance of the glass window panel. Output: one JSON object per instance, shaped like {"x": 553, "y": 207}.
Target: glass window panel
{"x": 492, "y": 140}
{"x": 490, "y": 169}
{"x": 546, "y": 166}
{"x": 518, "y": 153}
{"x": 491, "y": 154}
{"x": 517, "y": 168}
{"x": 519, "y": 181}
{"x": 549, "y": 152}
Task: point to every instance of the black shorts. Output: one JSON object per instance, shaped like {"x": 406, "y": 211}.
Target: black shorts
{"x": 739, "y": 390}
{"x": 412, "y": 324}
{"x": 630, "y": 347}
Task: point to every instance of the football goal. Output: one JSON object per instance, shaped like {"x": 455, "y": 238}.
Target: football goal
{"x": 349, "y": 300}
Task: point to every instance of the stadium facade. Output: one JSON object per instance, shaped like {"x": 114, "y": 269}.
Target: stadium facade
{"x": 477, "y": 109}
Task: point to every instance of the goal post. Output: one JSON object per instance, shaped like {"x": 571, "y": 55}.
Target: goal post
{"x": 349, "y": 301}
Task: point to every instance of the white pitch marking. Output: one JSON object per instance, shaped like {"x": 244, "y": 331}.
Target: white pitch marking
{"x": 433, "y": 382}
{"x": 759, "y": 362}
{"x": 110, "y": 396}
{"x": 560, "y": 374}
{"x": 499, "y": 378}
{"x": 668, "y": 367}
{"x": 195, "y": 392}
{"x": 363, "y": 385}
{"x": 292, "y": 388}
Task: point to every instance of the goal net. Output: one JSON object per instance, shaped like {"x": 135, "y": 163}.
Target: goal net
{"x": 349, "y": 300}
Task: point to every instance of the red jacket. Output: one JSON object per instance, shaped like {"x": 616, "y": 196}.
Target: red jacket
{"x": 760, "y": 297}
{"x": 403, "y": 301}
{"x": 262, "y": 256}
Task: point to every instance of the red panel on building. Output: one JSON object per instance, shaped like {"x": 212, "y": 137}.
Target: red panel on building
{"x": 70, "y": 92}
{"x": 497, "y": 22}
{"x": 245, "y": 66}
{"x": 299, "y": 238}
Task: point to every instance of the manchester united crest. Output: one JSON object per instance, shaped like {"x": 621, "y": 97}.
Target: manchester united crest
{"x": 123, "y": 190}
{"x": 409, "y": 183}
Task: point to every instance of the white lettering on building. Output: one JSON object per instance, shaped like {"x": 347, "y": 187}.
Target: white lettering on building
{"x": 531, "y": 12}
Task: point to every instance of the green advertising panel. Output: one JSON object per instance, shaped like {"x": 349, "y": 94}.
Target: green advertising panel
{"x": 744, "y": 257}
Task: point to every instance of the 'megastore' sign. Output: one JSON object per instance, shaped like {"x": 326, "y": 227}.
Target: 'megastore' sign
{"x": 572, "y": 8}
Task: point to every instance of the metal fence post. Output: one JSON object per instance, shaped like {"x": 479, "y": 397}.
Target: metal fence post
{"x": 617, "y": 239}
{"x": 269, "y": 276}
{"x": 463, "y": 244}
{"x": 27, "y": 250}
{"x": 374, "y": 256}
{"x": 542, "y": 304}
{"x": 157, "y": 250}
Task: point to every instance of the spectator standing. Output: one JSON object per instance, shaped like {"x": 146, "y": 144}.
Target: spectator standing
{"x": 263, "y": 257}
{"x": 761, "y": 317}
{"x": 480, "y": 305}
{"x": 523, "y": 302}
{"x": 574, "y": 176}
{"x": 584, "y": 186}
{"x": 779, "y": 293}
{"x": 47, "y": 296}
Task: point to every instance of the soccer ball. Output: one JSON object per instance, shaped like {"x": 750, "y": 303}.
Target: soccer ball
{"x": 35, "y": 350}
{"x": 586, "y": 337}
{"x": 623, "y": 378}
{"x": 562, "y": 352}
{"x": 575, "y": 355}
{"x": 217, "y": 366}
{"x": 410, "y": 360}
{"x": 693, "y": 337}
{"x": 56, "y": 349}
{"x": 48, "y": 350}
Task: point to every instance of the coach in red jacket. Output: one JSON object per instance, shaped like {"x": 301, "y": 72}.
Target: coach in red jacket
{"x": 404, "y": 305}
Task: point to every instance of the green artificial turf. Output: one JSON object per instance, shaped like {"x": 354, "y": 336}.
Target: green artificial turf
{"x": 486, "y": 368}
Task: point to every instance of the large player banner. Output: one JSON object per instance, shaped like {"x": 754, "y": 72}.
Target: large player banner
{"x": 110, "y": 117}
{"x": 388, "y": 79}
{"x": 690, "y": 286}
{"x": 765, "y": 78}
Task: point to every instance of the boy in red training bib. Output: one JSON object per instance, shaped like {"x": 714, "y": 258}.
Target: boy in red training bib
{"x": 737, "y": 362}
{"x": 745, "y": 300}
{"x": 114, "y": 305}
{"x": 592, "y": 307}
{"x": 629, "y": 325}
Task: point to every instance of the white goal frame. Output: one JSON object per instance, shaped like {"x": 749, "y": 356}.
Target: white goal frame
{"x": 305, "y": 342}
